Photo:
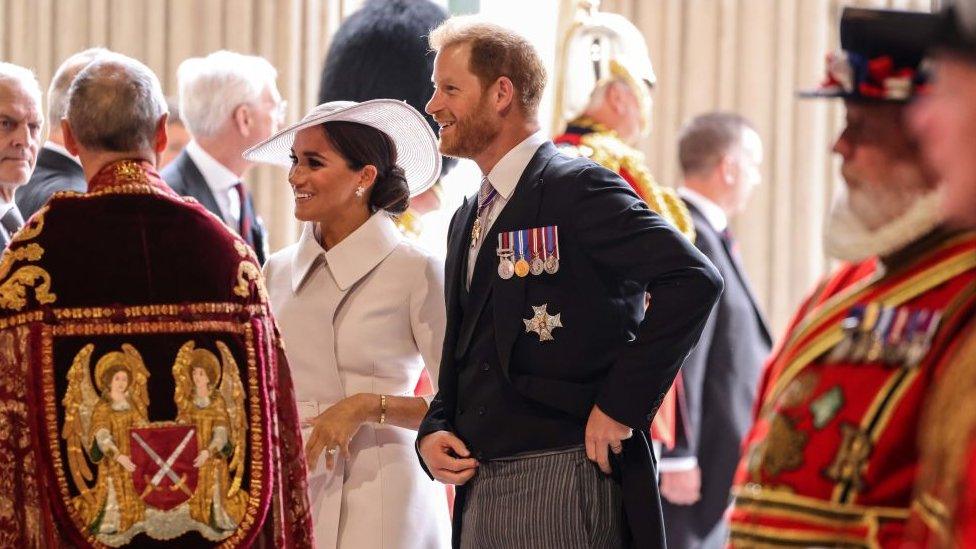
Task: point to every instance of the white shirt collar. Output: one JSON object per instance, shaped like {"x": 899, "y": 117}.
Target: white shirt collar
{"x": 353, "y": 258}
{"x": 54, "y": 147}
{"x": 6, "y": 207}
{"x": 218, "y": 177}
{"x": 507, "y": 172}
{"x": 713, "y": 213}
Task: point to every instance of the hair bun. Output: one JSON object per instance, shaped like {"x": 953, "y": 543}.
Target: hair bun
{"x": 391, "y": 192}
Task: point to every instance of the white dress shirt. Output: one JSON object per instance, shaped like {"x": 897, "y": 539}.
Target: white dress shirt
{"x": 221, "y": 182}
{"x": 504, "y": 177}
{"x": 713, "y": 213}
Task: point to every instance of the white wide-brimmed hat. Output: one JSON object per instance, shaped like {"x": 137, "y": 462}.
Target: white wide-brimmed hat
{"x": 416, "y": 145}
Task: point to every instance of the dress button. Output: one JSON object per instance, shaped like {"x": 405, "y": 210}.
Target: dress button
{"x": 485, "y": 367}
{"x": 482, "y": 410}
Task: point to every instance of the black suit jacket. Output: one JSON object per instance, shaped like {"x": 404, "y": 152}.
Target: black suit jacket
{"x": 183, "y": 176}
{"x": 608, "y": 353}
{"x": 720, "y": 379}
{"x": 54, "y": 172}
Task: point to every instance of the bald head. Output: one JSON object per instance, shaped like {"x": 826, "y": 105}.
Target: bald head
{"x": 20, "y": 127}
{"x": 116, "y": 105}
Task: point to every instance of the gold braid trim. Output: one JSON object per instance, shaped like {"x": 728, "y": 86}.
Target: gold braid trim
{"x": 604, "y": 146}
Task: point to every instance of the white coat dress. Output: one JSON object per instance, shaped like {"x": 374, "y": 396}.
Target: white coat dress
{"x": 366, "y": 316}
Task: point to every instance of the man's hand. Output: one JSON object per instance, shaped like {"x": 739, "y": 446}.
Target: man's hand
{"x": 603, "y": 435}
{"x": 682, "y": 487}
{"x": 447, "y": 458}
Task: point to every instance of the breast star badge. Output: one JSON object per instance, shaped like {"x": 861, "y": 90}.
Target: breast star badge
{"x": 542, "y": 323}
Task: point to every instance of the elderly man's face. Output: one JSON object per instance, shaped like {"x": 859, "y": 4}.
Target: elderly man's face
{"x": 881, "y": 166}
{"x": 20, "y": 133}
{"x": 946, "y": 124}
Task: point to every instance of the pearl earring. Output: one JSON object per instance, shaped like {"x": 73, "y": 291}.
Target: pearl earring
{"x": 359, "y": 192}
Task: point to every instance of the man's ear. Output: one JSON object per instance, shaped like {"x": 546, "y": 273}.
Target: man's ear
{"x": 504, "y": 93}
{"x": 70, "y": 142}
{"x": 162, "y": 138}
{"x": 242, "y": 117}
{"x": 727, "y": 168}
{"x": 615, "y": 97}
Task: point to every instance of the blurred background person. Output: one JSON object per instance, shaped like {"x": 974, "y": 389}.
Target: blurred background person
{"x": 57, "y": 169}
{"x": 720, "y": 156}
{"x": 229, "y": 102}
{"x": 837, "y": 420}
{"x": 361, "y": 310}
{"x": 20, "y": 139}
{"x": 944, "y": 510}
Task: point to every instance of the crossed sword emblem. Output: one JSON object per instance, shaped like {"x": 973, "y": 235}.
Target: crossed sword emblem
{"x": 165, "y": 467}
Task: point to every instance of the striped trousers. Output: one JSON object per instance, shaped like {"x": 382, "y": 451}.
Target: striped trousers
{"x": 557, "y": 499}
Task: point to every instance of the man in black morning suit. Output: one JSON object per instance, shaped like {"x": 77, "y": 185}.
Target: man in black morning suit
{"x": 551, "y": 376}
{"x": 720, "y": 156}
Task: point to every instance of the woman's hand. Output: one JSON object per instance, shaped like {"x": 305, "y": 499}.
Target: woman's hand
{"x": 334, "y": 428}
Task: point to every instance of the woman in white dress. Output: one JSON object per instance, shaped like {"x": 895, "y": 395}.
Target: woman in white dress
{"x": 361, "y": 313}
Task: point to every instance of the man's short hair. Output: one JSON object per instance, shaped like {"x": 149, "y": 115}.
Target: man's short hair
{"x": 24, "y": 77}
{"x": 212, "y": 87}
{"x": 496, "y": 52}
{"x": 115, "y": 104}
{"x": 704, "y": 140}
{"x": 57, "y": 92}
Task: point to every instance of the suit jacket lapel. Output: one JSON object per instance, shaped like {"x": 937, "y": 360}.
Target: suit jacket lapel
{"x": 520, "y": 212}
{"x": 737, "y": 268}
{"x": 196, "y": 185}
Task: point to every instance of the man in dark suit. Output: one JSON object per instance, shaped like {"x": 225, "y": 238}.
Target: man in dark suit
{"x": 57, "y": 169}
{"x": 551, "y": 370}
{"x": 720, "y": 156}
{"x": 229, "y": 102}
{"x": 20, "y": 137}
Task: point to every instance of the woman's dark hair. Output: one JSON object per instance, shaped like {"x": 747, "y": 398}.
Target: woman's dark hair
{"x": 363, "y": 145}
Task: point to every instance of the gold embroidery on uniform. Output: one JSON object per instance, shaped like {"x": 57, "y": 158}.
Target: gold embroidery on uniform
{"x": 166, "y": 525}
{"x": 13, "y": 290}
{"x": 248, "y": 272}
{"x": 33, "y": 228}
{"x": 781, "y": 450}
{"x": 30, "y": 252}
{"x": 851, "y": 458}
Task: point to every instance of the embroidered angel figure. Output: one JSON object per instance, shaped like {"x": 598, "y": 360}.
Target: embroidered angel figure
{"x": 96, "y": 426}
{"x": 209, "y": 395}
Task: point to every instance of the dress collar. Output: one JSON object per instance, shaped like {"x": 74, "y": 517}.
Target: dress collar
{"x": 350, "y": 260}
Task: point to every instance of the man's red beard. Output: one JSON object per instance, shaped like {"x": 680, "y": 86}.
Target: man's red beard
{"x": 471, "y": 135}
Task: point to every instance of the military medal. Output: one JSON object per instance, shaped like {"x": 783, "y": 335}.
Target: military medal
{"x": 476, "y": 232}
{"x": 506, "y": 267}
{"x": 863, "y": 338}
{"x": 550, "y": 244}
{"x": 521, "y": 266}
{"x": 921, "y": 338}
{"x": 538, "y": 267}
{"x": 479, "y": 222}
{"x": 893, "y": 351}
{"x": 542, "y": 323}
{"x": 876, "y": 348}
{"x": 850, "y": 326}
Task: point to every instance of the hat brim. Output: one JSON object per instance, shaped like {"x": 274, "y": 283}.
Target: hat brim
{"x": 415, "y": 142}
{"x": 846, "y": 96}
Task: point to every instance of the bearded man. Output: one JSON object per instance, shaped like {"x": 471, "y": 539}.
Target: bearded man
{"x": 831, "y": 458}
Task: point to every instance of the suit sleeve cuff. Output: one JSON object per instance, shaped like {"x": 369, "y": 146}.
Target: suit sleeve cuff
{"x": 676, "y": 465}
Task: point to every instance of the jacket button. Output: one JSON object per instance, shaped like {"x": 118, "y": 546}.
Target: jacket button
{"x": 485, "y": 367}
{"x": 460, "y": 412}
{"x": 482, "y": 410}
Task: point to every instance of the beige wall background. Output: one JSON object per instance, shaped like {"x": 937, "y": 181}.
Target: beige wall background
{"x": 743, "y": 55}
